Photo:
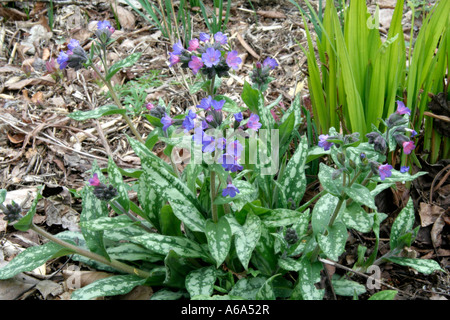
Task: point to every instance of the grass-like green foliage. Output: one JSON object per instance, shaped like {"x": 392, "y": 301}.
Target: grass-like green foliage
{"x": 426, "y": 75}
{"x": 213, "y": 21}
{"x": 356, "y": 78}
{"x": 173, "y": 25}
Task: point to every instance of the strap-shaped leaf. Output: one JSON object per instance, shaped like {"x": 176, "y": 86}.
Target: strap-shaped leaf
{"x": 111, "y": 286}
{"x": 333, "y": 243}
{"x": 133, "y": 252}
{"x": 266, "y": 291}
{"x": 115, "y": 178}
{"x": 96, "y": 113}
{"x": 283, "y": 217}
{"x": 219, "y": 239}
{"x": 247, "y": 239}
{"x": 384, "y": 295}
{"x": 108, "y": 223}
{"x": 402, "y": 224}
{"x": 201, "y": 281}
{"x": 124, "y": 63}
{"x": 150, "y": 200}
{"x": 184, "y": 204}
{"x": 425, "y": 266}
{"x": 143, "y": 152}
{"x": 31, "y": 258}
{"x": 177, "y": 269}
{"x": 163, "y": 244}
{"x": 348, "y": 288}
{"x": 2, "y": 195}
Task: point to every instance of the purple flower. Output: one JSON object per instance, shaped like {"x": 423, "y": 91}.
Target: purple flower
{"x": 94, "y": 181}
{"x": 188, "y": 122}
{"x": 204, "y": 37}
{"x": 235, "y": 148}
{"x": 209, "y": 118}
{"x": 230, "y": 190}
{"x": 413, "y": 132}
{"x": 221, "y": 38}
{"x": 173, "y": 59}
{"x": 324, "y": 143}
{"x": 72, "y": 44}
{"x": 271, "y": 63}
{"x": 104, "y": 30}
{"x": 195, "y": 64}
{"x": 211, "y": 57}
{"x": 404, "y": 169}
{"x": 62, "y": 60}
{"x": 402, "y": 109}
{"x": 238, "y": 117}
{"x": 177, "y": 48}
{"x": 205, "y": 103}
{"x": 166, "y": 121}
{"x": 253, "y": 122}
{"x": 385, "y": 171}
{"x": 103, "y": 25}
{"x": 193, "y": 44}
{"x": 408, "y": 146}
{"x": 149, "y": 106}
{"x": 233, "y": 60}
{"x": 230, "y": 163}
{"x": 217, "y": 105}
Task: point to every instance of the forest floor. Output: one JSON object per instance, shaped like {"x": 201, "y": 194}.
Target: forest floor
{"x": 41, "y": 146}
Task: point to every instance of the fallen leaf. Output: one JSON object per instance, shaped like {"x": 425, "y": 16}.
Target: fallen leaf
{"x": 247, "y": 47}
{"x": 126, "y": 18}
{"x": 138, "y": 293}
{"x": 38, "y": 98}
{"x": 436, "y": 230}
{"x": 429, "y": 213}
{"x": 11, "y": 289}
{"x": 45, "y": 80}
{"x": 47, "y": 287}
{"x": 16, "y": 138}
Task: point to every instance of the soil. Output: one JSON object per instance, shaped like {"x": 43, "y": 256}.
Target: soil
{"x": 41, "y": 146}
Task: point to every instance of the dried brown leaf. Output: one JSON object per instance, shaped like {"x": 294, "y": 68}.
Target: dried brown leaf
{"x": 271, "y": 14}
{"x": 429, "y": 213}
{"x": 436, "y": 231}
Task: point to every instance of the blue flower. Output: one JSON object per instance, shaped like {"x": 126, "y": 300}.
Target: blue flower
{"x": 253, "y": 122}
{"x": 211, "y": 57}
{"x": 217, "y": 105}
{"x": 166, "y": 121}
{"x": 230, "y": 190}
{"x": 238, "y": 117}
{"x": 188, "y": 122}
{"x": 178, "y": 48}
{"x": 204, "y": 37}
{"x": 72, "y": 44}
{"x": 404, "y": 169}
{"x": 385, "y": 171}
{"x": 205, "y": 103}
{"x": 323, "y": 143}
{"x": 221, "y": 38}
{"x": 62, "y": 60}
{"x": 271, "y": 63}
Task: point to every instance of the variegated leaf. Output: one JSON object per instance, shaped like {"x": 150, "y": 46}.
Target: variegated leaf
{"x": 325, "y": 176}
{"x": 283, "y": 217}
{"x": 266, "y": 291}
{"x": 293, "y": 181}
{"x": 323, "y": 209}
{"x": 402, "y": 224}
{"x": 247, "y": 288}
{"x": 201, "y": 281}
{"x": 150, "y": 199}
{"x": 361, "y": 194}
{"x": 309, "y": 275}
{"x": 425, "y": 266}
{"x": 348, "y": 288}
{"x": 24, "y": 223}
{"x": 96, "y": 113}
{"x": 107, "y": 223}
{"x": 219, "y": 239}
{"x": 333, "y": 243}
{"x": 115, "y": 178}
{"x": 357, "y": 218}
{"x": 247, "y": 239}
{"x": 111, "y": 286}
{"x": 163, "y": 244}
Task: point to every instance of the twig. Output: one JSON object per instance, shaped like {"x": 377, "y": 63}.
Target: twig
{"x": 332, "y": 263}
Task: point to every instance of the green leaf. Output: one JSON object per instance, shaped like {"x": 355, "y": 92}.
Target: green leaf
{"x": 357, "y": 218}
{"x": 184, "y": 203}
{"x": 333, "y": 187}
{"x": 230, "y": 106}
{"x": 289, "y": 264}
{"x": 115, "y": 178}
{"x": 201, "y": 281}
{"x": 170, "y": 224}
{"x": 177, "y": 268}
{"x": 96, "y": 113}
{"x": 133, "y": 252}
{"x": 163, "y": 244}
{"x": 283, "y": 217}
{"x": 402, "y": 224}
{"x": 251, "y": 97}
{"x": 32, "y": 258}
{"x": 247, "y": 238}
{"x": 293, "y": 180}
{"x": 309, "y": 275}
{"x": 247, "y": 288}
{"x": 111, "y": 286}
{"x": 348, "y": 288}
{"x": 264, "y": 257}
{"x": 154, "y": 121}
{"x": 2, "y": 195}
{"x": 384, "y": 295}
{"x": 124, "y": 63}
{"x": 219, "y": 239}
{"x": 151, "y": 200}
{"x": 143, "y": 152}
{"x": 323, "y": 209}
{"x": 107, "y": 223}
{"x": 25, "y": 223}
{"x": 333, "y": 244}
{"x": 425, "y": 266}
{"x": 397, "y": 176}
{"x": 361, "y": 195}
{"x": 93, "y": 208}
{"x": 247, "y": 193}
{"x": 165, "y": 294}
{"x": 266, "y": 291}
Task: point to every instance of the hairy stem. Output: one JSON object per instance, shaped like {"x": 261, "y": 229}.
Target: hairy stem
{"x": 119, "y": 266}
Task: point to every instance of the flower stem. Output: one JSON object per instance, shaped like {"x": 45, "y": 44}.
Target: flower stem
{"x": 117, "y": 102}
{"x": 91, "y": 255}
{"x": 215, "y": 218}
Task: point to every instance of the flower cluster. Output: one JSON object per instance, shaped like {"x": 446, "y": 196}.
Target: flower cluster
{"x": 102, "y": 191}
{"x": 208, "y": 54}
{"x": 397, "y": 131}
{"x": 75, "y": 57}
{"x": 260, "y": 74}
{"x": 12, "y": 212}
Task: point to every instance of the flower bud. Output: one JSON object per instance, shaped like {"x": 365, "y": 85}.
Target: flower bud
{"x": 105, "y": 192}
{"x": 341, "y": 158}
{"x": 291, "y": 236}
{"x": 158, "y": 112}
{"x": 12, "y": 212}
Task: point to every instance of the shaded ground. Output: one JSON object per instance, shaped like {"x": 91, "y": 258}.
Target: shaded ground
{"x": 39, "y": 145}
